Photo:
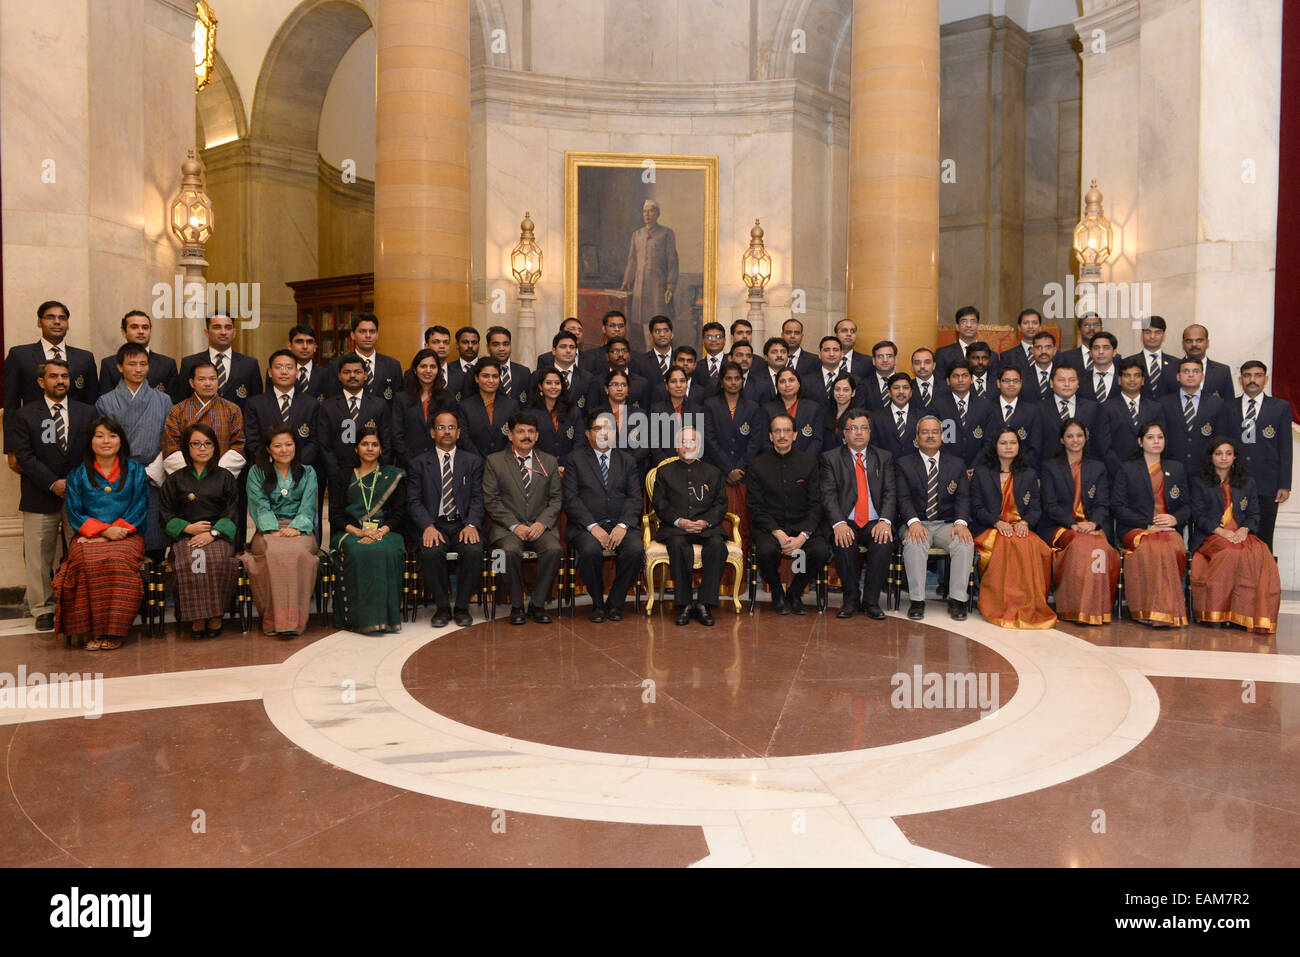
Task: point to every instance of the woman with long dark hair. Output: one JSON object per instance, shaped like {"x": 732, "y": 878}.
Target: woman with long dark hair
{"x": 1015, "y": 564}
{"x": 1151, "y": 504}
{"x": 281, "y": 559}
{"x": 485, "y": 409}
{"x": 844, "y": 391}
{"x": 678, "y": 404}
{"x": 417, "y": 405}
{"x": 559, "y": 422}
{"x": 1085, "y": 568}
{"x": 1234, "y": 577}
{"x": 98, "y": 588}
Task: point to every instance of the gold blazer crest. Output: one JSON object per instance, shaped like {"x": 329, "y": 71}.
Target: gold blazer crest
{"x": 806, "y": 431}
{"x": 952, "y": 487}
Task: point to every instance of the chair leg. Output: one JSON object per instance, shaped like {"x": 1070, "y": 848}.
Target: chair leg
{"x": 753, "y": 580}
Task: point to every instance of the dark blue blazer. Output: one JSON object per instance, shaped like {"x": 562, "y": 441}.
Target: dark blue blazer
{"x": 456, "y": 378}
{"x": 478, "y": 434}
{"x": 594, "y": 361}
{"x": 814, "y": 385}
{"x": 1218, "y": 380}
{"x": 412, "y": 431}
{"x": 1268, "y": 449}
{"x": 263, "y": 411}
{"x": 884, "y": 429}
{"x": 1048, "y": 430}
{"x": 1073, "y": 358}
{"x": 337, "y": 454}
{"x": 869, "y": 392}
{"x": 938, "y": 388}
{"x": 560, "y": 442}
{"x": 946, "y": 356}
{"x": 808, "y": 422}
{"x": 162, "y": 373}
{"x": 243, "y": 378}
{"x": 1133, "y": 501}
{"x": 702, "y": 378}
{"x": 1167, "y": 384}
{"x": 589, "y": 501}
{"x": 424, "y": 488}
{"x": 23, "y": 366}
{"x": 317, "y": 383}
{"x": 1015, "y": 356}
{"x": 954, "y": 488}
{"x": 731, "y": 443}
{"x": 388, "y": 378}
{"x": 638, "y": 392}
{"x": 1207, "y": 509}
{"x": 638, "y": 454}
{"x": 521, "y": 380}
{"x": 1024, "y": 420}
{"x": 647, "y": 364}
{"x": 1057, "y": 483}
{"x": 986, "y": 498}
{"x": 758, "y": 388}
{"x": 581, "y": 384}
{"x": 809, "y": 361}
{"x": 968, "y": 444}
{"x": 42, "y": 462}
{"x": 1212, "y": 418}
{"x": 1119, "y": 441}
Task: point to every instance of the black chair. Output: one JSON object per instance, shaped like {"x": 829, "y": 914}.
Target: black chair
{"x": 241, "y": 608}
{"x": 415, "y": 593}
{"x": 821, "y": 584}
{"x": 569, "y": 575}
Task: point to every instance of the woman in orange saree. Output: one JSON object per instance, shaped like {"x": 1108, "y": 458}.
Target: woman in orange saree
{"x": 1085, "y": 568}
{"x": 1151, "y": 503}
{"x": 1234, "y": 577}
{"x": 1015, "y": 564}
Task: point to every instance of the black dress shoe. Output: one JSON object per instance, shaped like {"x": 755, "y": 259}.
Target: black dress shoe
{"x": 683, "y": 614}
{"x": 873, "y": 611}
{"x": 539, "y": 615}
{"x": 796, "y": 607}
{"x": 441, "y": 618}
{"x": 615, "y": 614}
{"x": 779, "y": 606}
{"x": 518, "y": 617}
{"x": 916, "y": 610}
{"x": 462, "y": 617}
{"x": 597, "y": 616}
{"x": 45, "y": 622}
{"x": 705, "y": 616}
{"x": 847, "y": 611}
{"x": 956, "y": 610}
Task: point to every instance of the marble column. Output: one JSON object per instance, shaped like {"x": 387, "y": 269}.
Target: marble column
{"x": 893, "y": 271}
{"x": 422, "y": 199}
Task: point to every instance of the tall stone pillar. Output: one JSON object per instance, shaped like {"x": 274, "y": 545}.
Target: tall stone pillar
{"x": 422, "y": 248}
{"x": 893, "y": 263}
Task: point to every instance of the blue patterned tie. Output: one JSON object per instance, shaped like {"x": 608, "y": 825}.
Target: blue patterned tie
{"x": 1101, "y": 387}
{"x": 1189, "y": 413}
{"x": 1065, "y": 410}
{"x": 302, "y": 378}
{"x": 354, "y": 411}
{"x": 221, "y": 372}
{"x": 1247, "y": 424}
{"x": 604, "y": 468}
{"x": 525, "y": 475}
{"x": 961, "y": 412}
{"x": 284, "y": 409}
{"x": 1154, "y": 374}
{"x": 932, "y": 490}
{"x": 1133, "y": 411}
{"x": 505, "y": 378}
{"x": 1043, "y": 380}
{"x": 448, "y": 489}
{"x": 60, "y": 430}
{"x": 370, "y": 375}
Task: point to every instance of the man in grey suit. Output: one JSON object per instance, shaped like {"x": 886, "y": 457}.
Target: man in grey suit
{"x": 522, "y": 493}
{"x": 651, "y": 274}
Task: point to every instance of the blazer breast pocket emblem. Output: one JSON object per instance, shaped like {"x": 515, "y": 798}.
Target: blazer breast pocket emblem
{"x": 370, "y": 424}
{"x": 1245, "y": 504}
{"x": 388, "y": 393}
{"x": 744, "y": 428}
{"x": 1174, "y": 491}
{"x": 81, "y": 382}
{"x": 1022, "y": 433}
{"x": 1269, "y": 431}
{"x": 569, "y": 432}
{"x": 952, "y": 487}
{"x": 504, "y": 430}
{"x": 978, "y": 432}
{"x": 1207, "y": 429}
{"x": 1025, "y": 498}
{"x": 242, "y": 392}
{"x": 1092, "y": 491}
{"x": 806, "y": 431}
{"x": 304, "y": 430}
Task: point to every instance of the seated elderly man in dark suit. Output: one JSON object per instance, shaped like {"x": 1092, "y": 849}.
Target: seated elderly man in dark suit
{"x": 690, "y": 498}
{"x": 860, "y": 501}
{"x": 445, "y": 499}
{"x": 602, "y": 496}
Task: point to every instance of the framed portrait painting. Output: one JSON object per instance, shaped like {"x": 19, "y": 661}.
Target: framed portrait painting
{"x": 641, "y": 236}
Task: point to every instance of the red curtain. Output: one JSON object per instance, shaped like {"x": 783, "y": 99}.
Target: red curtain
{"x": 1285, "y": 370}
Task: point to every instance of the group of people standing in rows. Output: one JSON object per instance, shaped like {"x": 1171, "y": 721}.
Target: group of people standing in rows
{"x": 1041, "y": 465}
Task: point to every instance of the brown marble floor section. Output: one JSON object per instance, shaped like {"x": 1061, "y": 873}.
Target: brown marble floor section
{"x": 122, "y": 791}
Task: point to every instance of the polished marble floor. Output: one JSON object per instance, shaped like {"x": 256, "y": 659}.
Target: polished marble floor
{"x": 766, "y": 740}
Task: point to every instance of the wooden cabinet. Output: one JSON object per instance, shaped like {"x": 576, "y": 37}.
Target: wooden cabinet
{"x": 328, "y": 305}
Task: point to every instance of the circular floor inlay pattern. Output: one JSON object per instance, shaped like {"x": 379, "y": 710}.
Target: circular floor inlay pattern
{"x": 752, "y": 687}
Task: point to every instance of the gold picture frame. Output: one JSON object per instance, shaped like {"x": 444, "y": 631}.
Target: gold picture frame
{"x": 602, "y": 220}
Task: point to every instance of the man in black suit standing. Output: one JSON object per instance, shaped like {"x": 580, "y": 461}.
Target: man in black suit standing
{"x": 816, "y": 385}
{"x": 853, "y": 362}
{"x": 311, "y": 378}
{"x": 137, "y": 327}
{"x": 1125, "y": 412}
{"x": 47, "y": 437}
{"x": 860, "y": 503}
{"x": 984, "y": 370}
{"x": 1263, "y": 424}
{"x": 1064, "y": 402}
{"x": 1015, "y": 410}
{"x": 1101, "y": 383}
{"x": 572, "y": 325}
{"x": 963, "y": 414}
{"x": 926, "y": 384}
{"x": 613, "y": 325}
{"x": 894, "y": 426}
{"x": 714, "y": 339}
{"x": 23, "y": 366}
{"x": 1192, "y": 416}
{"x": 761, "y": 384}
{"x": 655, "y": 361}
{"x": 796, "y": 357}
{"x": 1218, "y": 377}
{"x": 1080, "y": 358}
{"x": 873, "y": 388}
{"x": 239, "y": 377}
{"x": 967, "y": 321}
{"x": 690, "y": 499}
{"x": 602, "y": 498}
{"x": 344, "y": 415}
{"x": 785, "y": 514}
{"x": 445, "y": 495}
{"x": 1038, "y": 381}
{"x": 1030, "y": 323}
{"x": 283, "y": 403}
{"x": 564, "y": 360}
{"x": 383, "y": 374}
{"x": 1158, "y": 367}
{"x": 516, "y": 379}
{"x": 459, "y": 371}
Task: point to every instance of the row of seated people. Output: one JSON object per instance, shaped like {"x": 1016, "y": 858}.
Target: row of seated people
{"x": 851, "y": 497}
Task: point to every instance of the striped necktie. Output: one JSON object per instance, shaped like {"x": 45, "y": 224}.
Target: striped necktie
{"x": 663, "y": 363}
{"x": 505, "y": 378}
{"x": 60, "y": 429}
{"x": 1006, "y": 416}
{"x": 830, "y": 382}
{"x": 714, "y": 365}
{"x": 961, "y": 412}
{"x": 221, "y": 372}
{"x": 1043, "y": 381}
{"x": 884, "y": 393}
{"x": 1087, "y": 362}
{"x": 604, "y": 468}
{"x": 58, "y": 352}
{"x": 1101, "y": 387}
{"x": 302, "y": 378}
{"x": 354, "y": 407}
{"x": 901, "y": 424}
{"x": 932, "y": 490}
{"x": 370, "y": 375}
{"x": 525, "y": 475}
{"x": 448, "y": 488}
{"x": 1065, "y": 410}
{"x": 1133, "y": 411}
{"x": 284, "y": 409}
{"x": 1154, "y": 374}
{"x": 1247, "y": 423}
{"x": 1189, "y": 412}
{"x": 925, "y": 393}
{"x": 979, "y": 388}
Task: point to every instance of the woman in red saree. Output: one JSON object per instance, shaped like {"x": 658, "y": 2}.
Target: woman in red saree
{"x": 1015, "y": 564}
{"x": 1234, "y": 577}
{"x": 1085, "y": 568}
{"x": 1151, "y": 503}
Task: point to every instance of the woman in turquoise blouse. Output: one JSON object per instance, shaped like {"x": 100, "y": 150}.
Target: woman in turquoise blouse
{"x": 281, "y": 560}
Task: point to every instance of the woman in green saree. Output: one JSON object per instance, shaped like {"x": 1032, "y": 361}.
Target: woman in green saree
{"x": 367, "y": 515}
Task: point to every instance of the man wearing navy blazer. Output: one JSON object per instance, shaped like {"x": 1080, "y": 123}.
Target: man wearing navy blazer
{"x": 573, "y": 325}
{"x": 884, "y": 361}
{"x": 383, "y": 374}
{"x": 23, "y": 366}
{"x": 1080, "y": 357}
{"x": 1101, "y": 382}
{"x": 761, "y": 386}
{"x": 48, "y": 438}
{"x": 516, "y": 379}
{"x": 1064, "y": 402}
{"x": 239, "y": 377}
{"x": 886, "y": 431}
{"x": 1013, "y": 408}
{"x": 137, "y": 327}
{"x": 856, "y": 520}
{"x": 460, "y": 370}
{"x": 1159, "y": 367}
{"x": 797, "y": 357}
{"x": 311, "y": 379}
{"x": 926, "y": 383}
{"x": 602, "y": 498}
{"x": 445, "y": 502}
{"x": 815, "y": 384}
{"x": 1125, "y": 412}
{"x": 343, "y": 416}
{"x": 595, "y": 360}
{"x": 1218, "y": 377}
{"x": 1262, "y": 423}
{"x": 1021, "y": 355}
{"x": 934, "y": 508}
{"x": 618, "y": 355}
{"x": 963, "y": 414}
{"x": 713, "y": 339}
{"x": 564, "y": 360}
{"x": 967, "y": 321}
{"x": 283, "y": 403}
{"x": 1187, "y": 433}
